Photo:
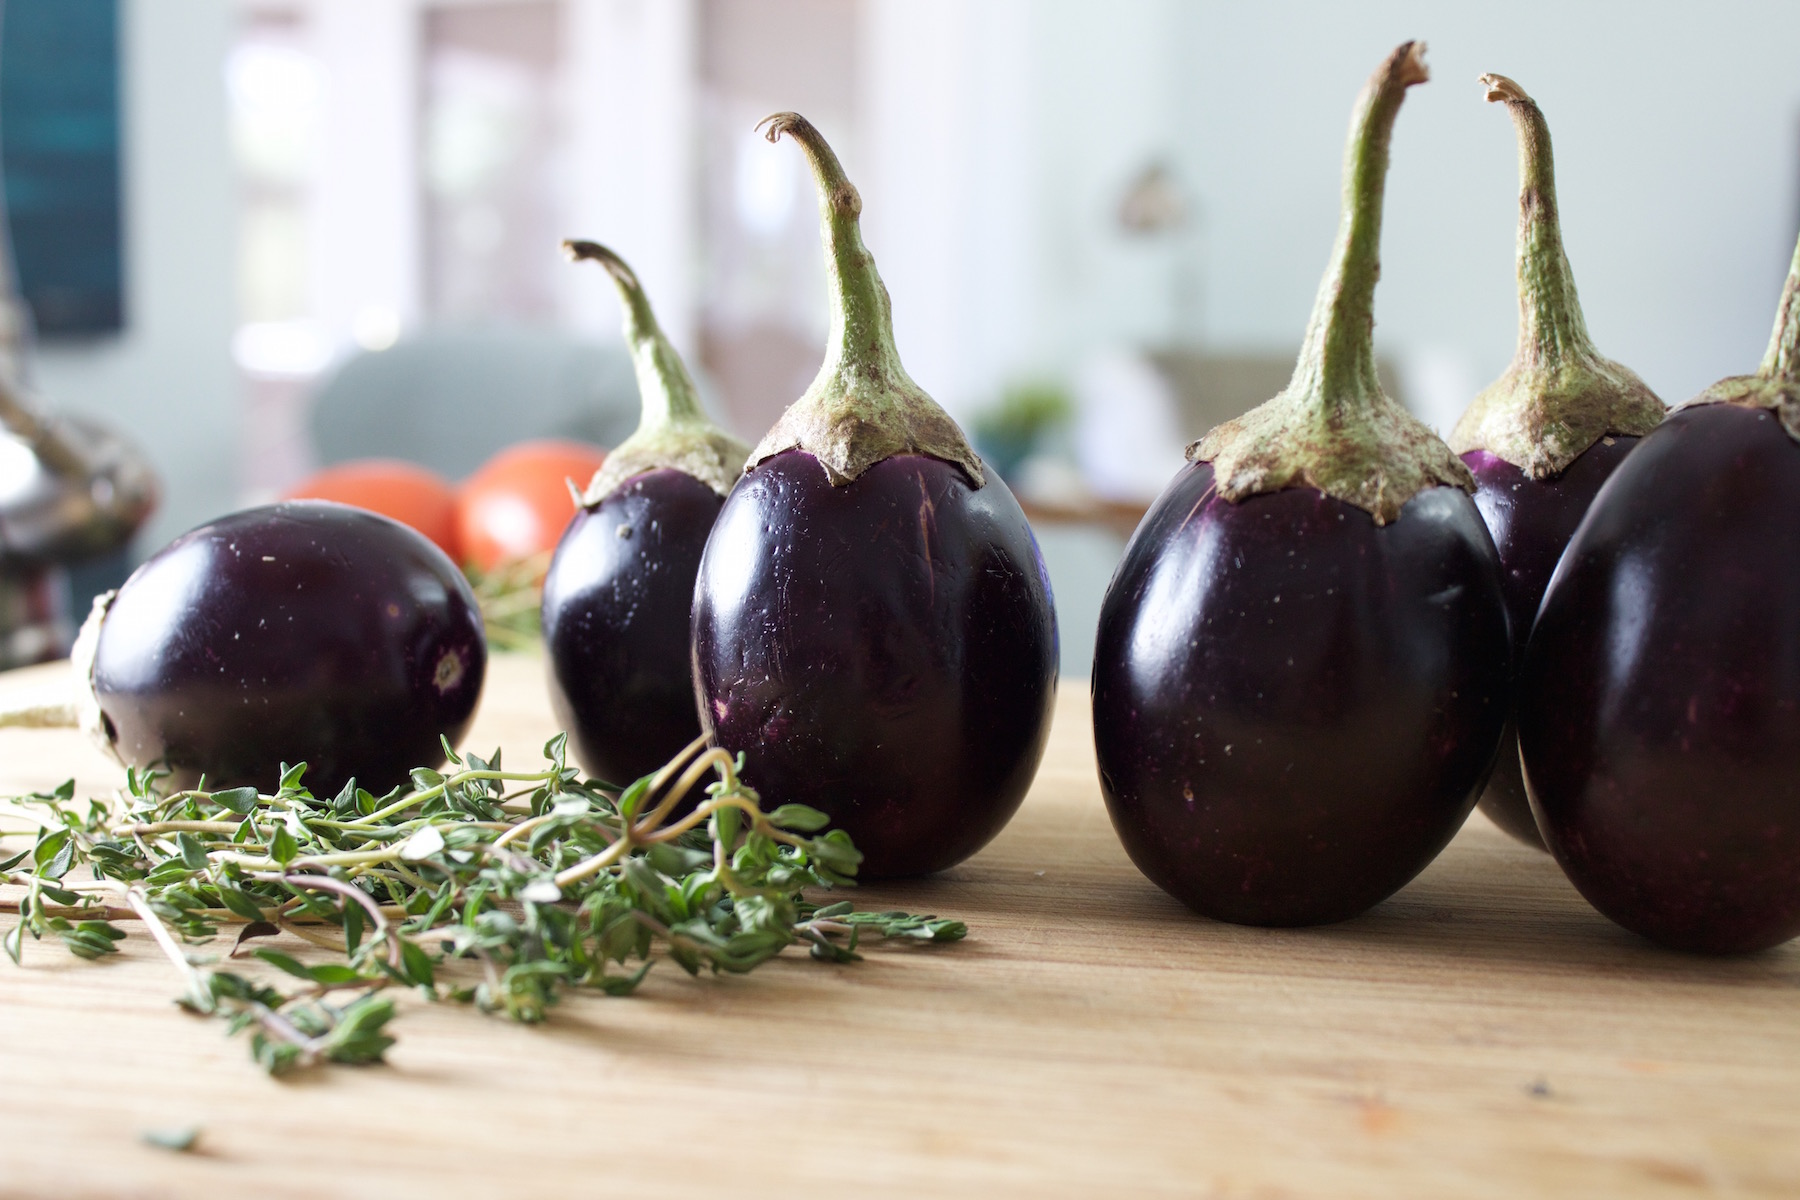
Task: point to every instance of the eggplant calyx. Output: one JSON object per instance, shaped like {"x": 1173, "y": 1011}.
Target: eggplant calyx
{"x": 673, "y": 431}
{"x": 862, "y": 407}
{"x": 1559, "y": 396}
{"x": 1333, "y": 428}
{"x": 1776, "y": 384}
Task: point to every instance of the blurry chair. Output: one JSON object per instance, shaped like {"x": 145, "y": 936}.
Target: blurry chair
{"x": 1215, "y": 387}
{"x": 449, "y": 398}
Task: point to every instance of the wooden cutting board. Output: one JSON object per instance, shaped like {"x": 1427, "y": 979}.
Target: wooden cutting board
{"x": 1483, "y": 1033}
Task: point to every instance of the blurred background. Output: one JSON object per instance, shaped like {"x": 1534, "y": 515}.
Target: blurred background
{"x": 261, "y": 236}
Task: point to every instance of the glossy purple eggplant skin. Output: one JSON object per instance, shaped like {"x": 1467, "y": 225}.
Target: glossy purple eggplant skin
{"x": 1659, "y": 704}
{"x": 1295, "y": 708}
{"x": 884, "y": 651}
{"x": 617, "y": 600}
{"x": 1531, "y": 521}
{"x": 299, "y": 632}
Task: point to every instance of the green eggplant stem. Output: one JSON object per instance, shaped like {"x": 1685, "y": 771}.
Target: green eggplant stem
{"x": 1336, "y": 368}
{"x": 1559, "y": 395}
{"x": 862, "y": 407}
{"x": 1782, "y": 362}
{"x": 666, "y": 389}
{"x": 861, "y": 336}
{"x": 1551, "y": 325}
{"x": 1333, "y": 429}
{"x": 673, "y": 431}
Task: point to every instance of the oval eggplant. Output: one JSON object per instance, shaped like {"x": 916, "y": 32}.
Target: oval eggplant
{"x": 1659, "y": 715}
{"x": 873, "y": 626}
{"x": 305, "y": 631}
{"x": 620, "y": 587}
{"x": 1293, "y": 705}
{"x": 616, "y": 623}
{"x": 1301, "y": 670}
{"x": 1659, "y": 706}
{"x": 1544, "y": 436}
{"x": 882, "y": 651}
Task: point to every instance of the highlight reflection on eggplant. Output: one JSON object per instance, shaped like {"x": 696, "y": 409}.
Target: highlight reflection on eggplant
{"x": 620, "y": 588}
{"x": 872, "y": 622}
{"x": 1543, "y": 437}
{"x": 1659, "y": 703}
{"x": 1301, "y": 670}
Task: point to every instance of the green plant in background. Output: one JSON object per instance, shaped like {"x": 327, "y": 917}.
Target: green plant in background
{"x": 1028, "y": 413}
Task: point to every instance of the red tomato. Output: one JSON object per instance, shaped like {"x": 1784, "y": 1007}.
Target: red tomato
{"x": 407, "y": 492}
{"x": 518, "y": 503}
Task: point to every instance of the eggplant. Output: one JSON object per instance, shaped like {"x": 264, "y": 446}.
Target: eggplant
{"x": 873, "y": 626}
{"x": 305, "y": 631}
{"x": 1301, "y": 670}
{"x": 621, "y": 584}
{"x": 1659, "y": 702}
{"x": 1542, "y": 438}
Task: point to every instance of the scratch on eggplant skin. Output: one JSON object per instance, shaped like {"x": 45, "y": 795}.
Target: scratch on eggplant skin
{"x": 1211, "y": 489}
{"x": 927, "y": 518}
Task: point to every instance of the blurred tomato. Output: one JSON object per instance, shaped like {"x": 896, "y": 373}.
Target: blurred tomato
{"x": 405, "y": 491}
{"x": 518, "y": 503}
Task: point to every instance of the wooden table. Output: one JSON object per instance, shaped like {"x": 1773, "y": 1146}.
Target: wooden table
{"x": 1484, "y": 1033}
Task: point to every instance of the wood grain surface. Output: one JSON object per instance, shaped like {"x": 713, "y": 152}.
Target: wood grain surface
{"x": 1484, "y": 1033}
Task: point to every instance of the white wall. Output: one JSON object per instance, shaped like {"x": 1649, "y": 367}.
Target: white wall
{"x": 364, "y": 205}
{"x": 995, "y": 139}
{"x": 1677, "y": 135}
{"x": 632, "y": 81}
{"x": 168, "y": 380}
{"x": 946, "y": 170}
{"x": 1677, "y": 131}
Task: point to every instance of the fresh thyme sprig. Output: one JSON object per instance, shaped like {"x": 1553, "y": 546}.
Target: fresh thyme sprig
{"x": 475, "y": 884}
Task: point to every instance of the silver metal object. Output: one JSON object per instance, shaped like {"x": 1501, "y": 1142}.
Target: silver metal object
{"x": 70, "y": 488}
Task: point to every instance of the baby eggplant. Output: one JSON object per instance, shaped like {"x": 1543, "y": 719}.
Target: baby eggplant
{"x": 305, "y": 631}
{"x": 621, "y": 585}
{"x": 1659, "y": 702}
{"x": 873, "y": 626}
{"x": 1301, "y": 669}
{"x": 1544, "y": 436}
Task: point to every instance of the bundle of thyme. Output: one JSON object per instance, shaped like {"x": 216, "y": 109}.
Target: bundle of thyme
{"x": 475, "y": 884}
{"x": 510, "y": 597}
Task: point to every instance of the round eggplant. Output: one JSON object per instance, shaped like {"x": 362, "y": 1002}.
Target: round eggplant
{"x": 873, "y": 626}
{"x": 1543, "y": 437}
{"x": 620, "y": 587}
{"x": 1659, "y": 704}
{"x": 1302, "y": 664}
{"x": 306, "y": 631}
